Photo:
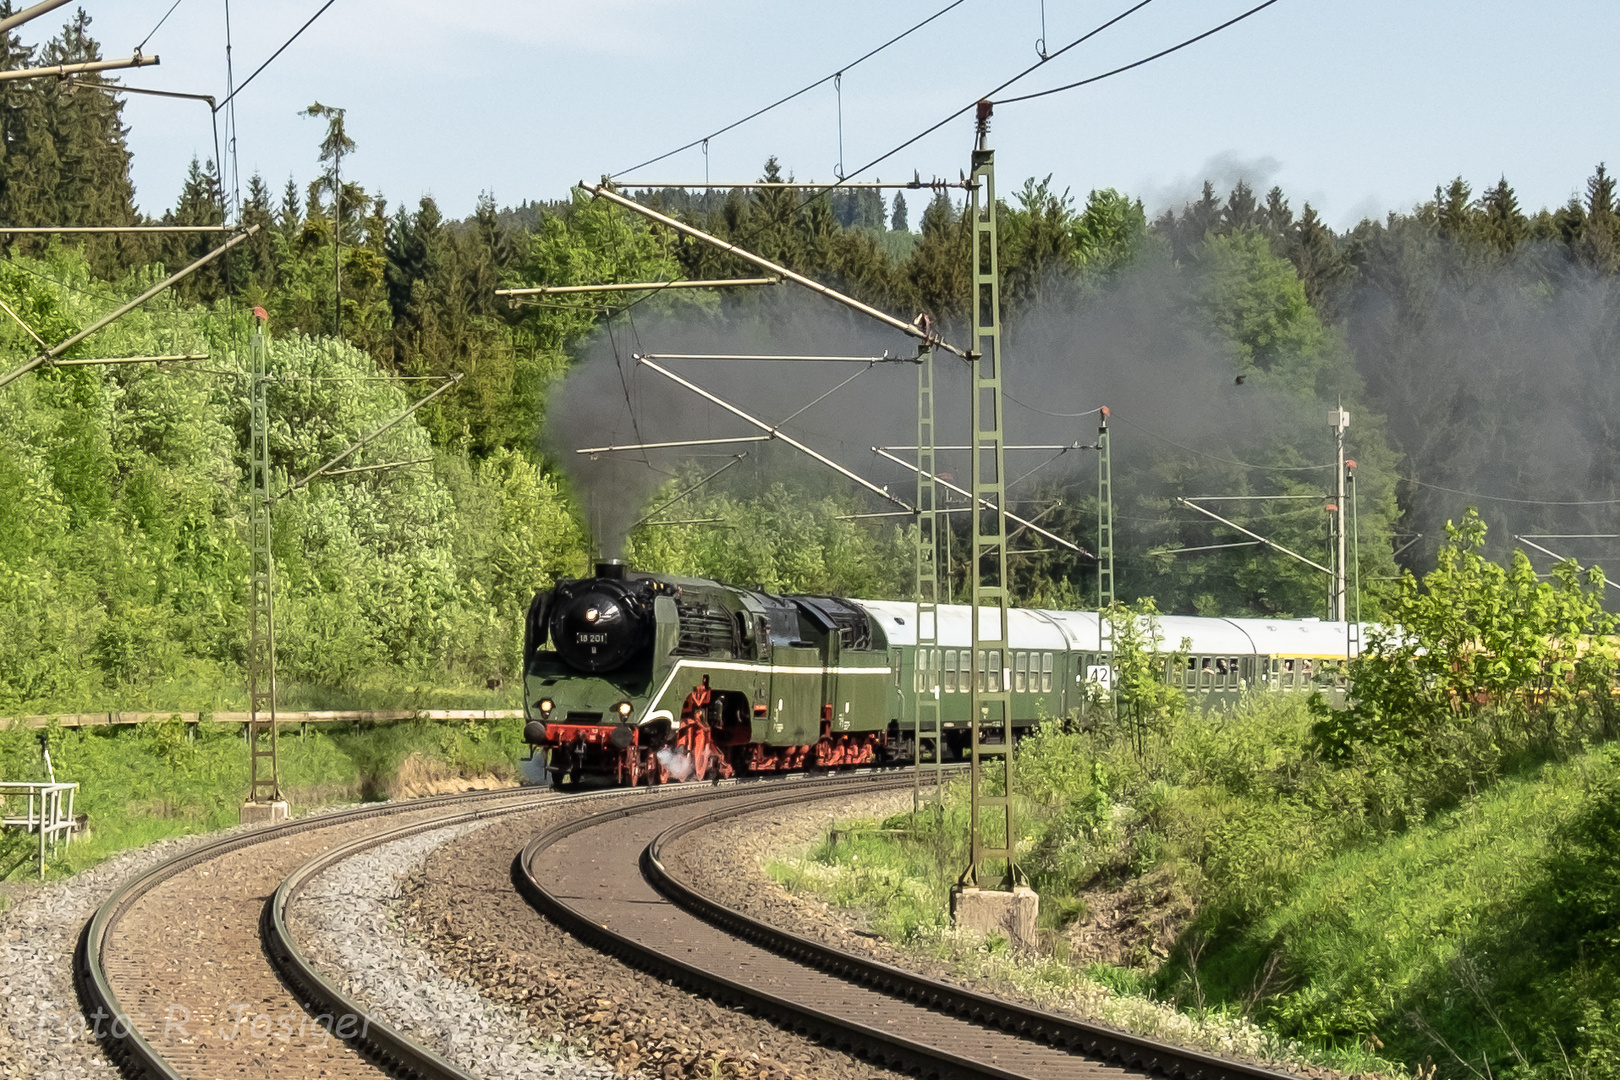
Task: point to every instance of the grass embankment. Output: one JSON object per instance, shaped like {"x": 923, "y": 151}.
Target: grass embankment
{"x": 167, "y": 778}
{"x": 1227, "y": 876}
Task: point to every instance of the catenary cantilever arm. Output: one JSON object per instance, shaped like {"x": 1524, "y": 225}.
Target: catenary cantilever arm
{"x": 52, "y": 353}
{"x": 774, "y": 433}
{"x": 602, "y": 191}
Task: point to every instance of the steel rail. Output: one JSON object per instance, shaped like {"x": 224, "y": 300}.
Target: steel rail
{"x": 857, "y": 1039}
{"x": 138, "y": 1057}
{"x": 1077, "y": 1036}
{"x": 320, "y": 996}
{"x": 132, "y": 1050}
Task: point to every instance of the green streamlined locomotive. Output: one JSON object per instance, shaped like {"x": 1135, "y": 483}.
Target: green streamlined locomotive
{"x": 648, "y": 678}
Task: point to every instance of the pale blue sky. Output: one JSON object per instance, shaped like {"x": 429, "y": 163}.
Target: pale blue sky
{"x": 1357, "y": 106}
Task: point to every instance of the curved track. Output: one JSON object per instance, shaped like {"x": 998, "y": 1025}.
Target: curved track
{"x": 189, "y": 967}
{"x": 601, "y": 878}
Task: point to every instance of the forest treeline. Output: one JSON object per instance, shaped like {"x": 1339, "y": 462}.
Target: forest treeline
{"x": 1470, "y": 339}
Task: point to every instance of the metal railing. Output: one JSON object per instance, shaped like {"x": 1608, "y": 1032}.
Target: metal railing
{"x": 46, "y": 814}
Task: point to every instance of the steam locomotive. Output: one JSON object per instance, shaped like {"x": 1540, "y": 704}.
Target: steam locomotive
{"x": 647, "y": 678}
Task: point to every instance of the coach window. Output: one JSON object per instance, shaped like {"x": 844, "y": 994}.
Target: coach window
{"x": 1020, "y": 672}
{"x": 950, "y": 671}
{"x": 1046, "y": 673}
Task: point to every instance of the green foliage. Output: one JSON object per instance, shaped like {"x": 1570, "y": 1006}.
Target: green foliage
{"x": 780, "y": 541}
{"x": 168, "y": 778}
{"x": 1477, "y": 664}
{"x": 121, "y": 543}
{"x": 1147, "y": 701}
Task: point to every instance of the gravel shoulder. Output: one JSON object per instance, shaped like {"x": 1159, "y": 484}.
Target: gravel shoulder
{"x": 462, "y": 909}
{"x": 346, "y": 923}
{"x": 727, "y": 863}
{"x": 42, "y": 1033}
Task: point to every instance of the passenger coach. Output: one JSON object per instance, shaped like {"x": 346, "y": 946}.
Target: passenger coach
{"x": 648, "y": 678}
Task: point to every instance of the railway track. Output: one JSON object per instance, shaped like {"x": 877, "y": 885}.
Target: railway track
{"x": 603, "y": 879}
{"x": 176, "y": 969}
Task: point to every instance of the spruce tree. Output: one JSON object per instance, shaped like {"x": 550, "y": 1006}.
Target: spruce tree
{"x": 1501, "y": 224}
{"x": 1598, "y": 244}
{"x": 1321, "y": 267}
{"x": 938, "y": 270}
{"x": 87, "y": 128}
{"x": 201, "y": 203}
{"x": 898, "y": 221}
{"x": 28, "y": 174}
{"x": 253, "y": 265}
{"x": 1242, "y": 211}
{"x": 1452, "y": 207}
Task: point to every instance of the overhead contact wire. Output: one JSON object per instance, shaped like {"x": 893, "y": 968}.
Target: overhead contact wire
{"x": 797, "y": 93}
{"x": 826, "y": 191}
{"x": 278, "y": 52}
{"x": 1145, "y": 60}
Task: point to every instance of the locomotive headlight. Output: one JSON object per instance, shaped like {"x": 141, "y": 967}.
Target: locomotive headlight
{"x": 546, "y": 705}
{"x": 591, "y": 614}
{"x": 623, "y": 708}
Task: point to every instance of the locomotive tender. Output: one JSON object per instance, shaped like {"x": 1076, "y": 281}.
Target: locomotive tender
{"x": 651, "y": 678}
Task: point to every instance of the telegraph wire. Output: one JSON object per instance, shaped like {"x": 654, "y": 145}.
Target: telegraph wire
{"x": 828, "y": 190}
{"x": 1044, "y": 412}
{"x": 230, "y": 128}
{"x": 783, "y": 101}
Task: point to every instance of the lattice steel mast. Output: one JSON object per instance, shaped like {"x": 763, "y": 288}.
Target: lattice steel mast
{"x": 264, "y": 784}
{"x": 990, "y": 700}
{"x": 925, "y": 718}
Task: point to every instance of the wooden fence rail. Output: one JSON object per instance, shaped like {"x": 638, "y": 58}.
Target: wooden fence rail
{"x": 111, "y": 719}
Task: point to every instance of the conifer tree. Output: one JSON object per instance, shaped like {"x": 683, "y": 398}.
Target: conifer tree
{"x": 1501, "y": 223}
{"x": 93, "y": 186}
{"x": 28, "y": 173}
{"x": 1242, "y": 210}
{"x": 1310, "y": 246}
{"x": 1598, "y": 241}
{"x": 938, "y": 270}
{"x": 201, "y": 203}
{"x": 772, "y": 220}
{"x": 334, "y": 145}
{"x": 898, "y": 221}
{"x": 253, "y": 266}
{"x": 1452, "y": 208}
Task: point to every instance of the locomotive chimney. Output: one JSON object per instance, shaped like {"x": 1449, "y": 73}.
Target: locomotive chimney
{"x": 612, "y": 568}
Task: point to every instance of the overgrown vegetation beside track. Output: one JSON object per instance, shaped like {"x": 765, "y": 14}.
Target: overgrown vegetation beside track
{"x": 1429, "y": 876}
{"x": 169, "y": 778}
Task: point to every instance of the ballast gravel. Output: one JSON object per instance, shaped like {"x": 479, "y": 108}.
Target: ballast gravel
{"x": 43, "y": 1034}
{"x": 346, "y": 924}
